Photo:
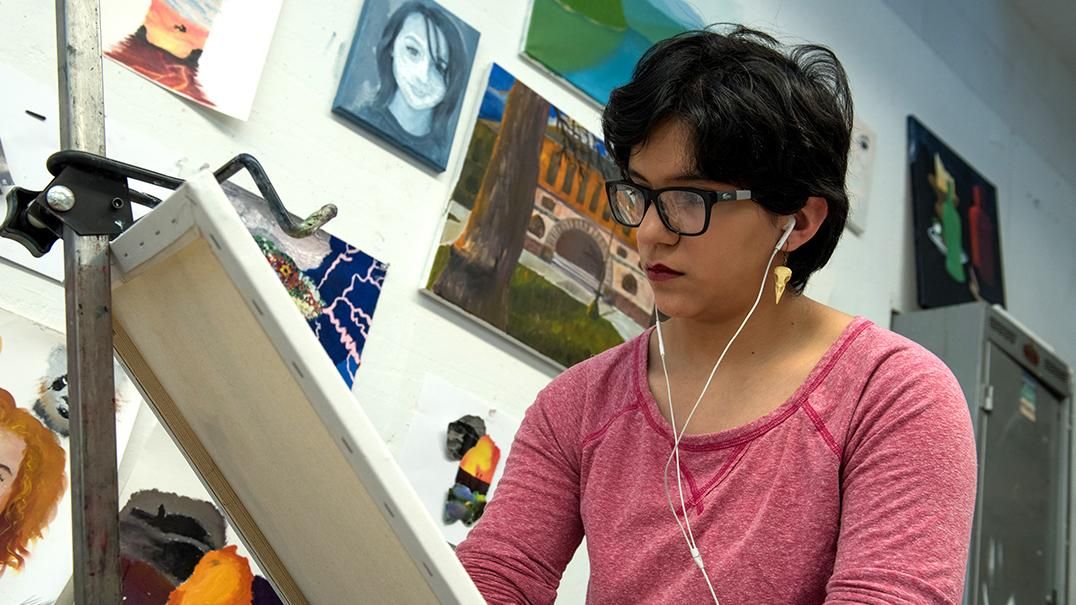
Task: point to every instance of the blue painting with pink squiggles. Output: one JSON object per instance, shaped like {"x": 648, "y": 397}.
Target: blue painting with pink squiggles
{"x": 335, "y": 285}
{"x": 349, "y": 281}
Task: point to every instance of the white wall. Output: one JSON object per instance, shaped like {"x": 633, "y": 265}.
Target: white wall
{"x": 392, "y": 208}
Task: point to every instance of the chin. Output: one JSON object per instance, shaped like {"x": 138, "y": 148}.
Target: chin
{"x": 677, "y": 306}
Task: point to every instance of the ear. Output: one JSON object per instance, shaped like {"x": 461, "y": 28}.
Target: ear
{"x": 808, "y": 221}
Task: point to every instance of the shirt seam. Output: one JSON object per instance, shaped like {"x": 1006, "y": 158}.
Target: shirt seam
{"x": 821, "y": 427}
{"x": 641, "y": 394}
{"x": 605, "y": 428}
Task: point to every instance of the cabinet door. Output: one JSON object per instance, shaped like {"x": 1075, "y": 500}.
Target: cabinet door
{"x": 1020, "y": 525}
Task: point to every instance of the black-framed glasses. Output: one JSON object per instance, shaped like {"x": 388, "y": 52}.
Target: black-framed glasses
{"x": 683, "y": 210}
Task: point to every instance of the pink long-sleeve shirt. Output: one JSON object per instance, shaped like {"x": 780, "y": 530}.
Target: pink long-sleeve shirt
{"x": 860, "y": 488}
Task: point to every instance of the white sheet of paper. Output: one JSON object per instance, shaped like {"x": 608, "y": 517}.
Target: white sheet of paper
{"x": 860, "y": 170}
{"x": 423, "y": 456}
{"x": 29, "y": 141}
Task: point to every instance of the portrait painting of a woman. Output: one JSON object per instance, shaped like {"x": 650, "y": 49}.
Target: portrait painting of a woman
{"x": 33, "y": 478}
{"x": 406, "y": 76}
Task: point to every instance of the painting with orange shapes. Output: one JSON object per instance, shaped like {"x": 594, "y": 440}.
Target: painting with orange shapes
{"x": 222, "y": 577}
{"x": 176, "y": 545}
{"x": 35, "y": 500}
{"x": 174, "y": 551}
{"x": 208, "y": 51}
{"x": 167, "y": 46}
{"x": 466, "y": 500}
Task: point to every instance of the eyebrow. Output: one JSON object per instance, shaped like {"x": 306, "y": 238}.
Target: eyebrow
{"x": 6, "y": 468}
{"x": 682, "y": 177}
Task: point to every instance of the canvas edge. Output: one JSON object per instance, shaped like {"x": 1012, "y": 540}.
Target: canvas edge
{"x": 334, "y": 404}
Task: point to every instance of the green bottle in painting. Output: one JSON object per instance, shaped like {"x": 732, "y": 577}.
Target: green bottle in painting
{"x": 953, "y": 234}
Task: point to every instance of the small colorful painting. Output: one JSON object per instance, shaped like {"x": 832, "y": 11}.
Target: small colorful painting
{"x": 595, "y": 45}
{"x": 407, "y": 74}
{"x": 957, "y": 243}
{"x": 455, "y": 439}
{"x": 33, "y": 479}
{"x": 529, "y": 246}
{"x": 466, "y": 440}
{"x": 209, "y": 51}
{"x": 334, "y": 285}
{"x": 35, "y": 500}
{"x": 176, "y": 547}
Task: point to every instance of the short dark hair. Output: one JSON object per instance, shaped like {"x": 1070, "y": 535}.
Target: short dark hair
{"x": 766, "y": 117}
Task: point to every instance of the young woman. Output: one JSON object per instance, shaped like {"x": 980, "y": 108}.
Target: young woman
{"x": 822, "y": 459}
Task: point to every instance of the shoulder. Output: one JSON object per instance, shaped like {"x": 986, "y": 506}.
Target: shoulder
{"x": 894, "y": 385}
{"x": 868, "y": 357}
{"x": 587, "y": 393}
{"x": 895, "y": 362}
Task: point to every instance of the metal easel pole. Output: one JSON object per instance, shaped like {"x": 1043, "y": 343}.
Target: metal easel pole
{"x": 87, "y": 272}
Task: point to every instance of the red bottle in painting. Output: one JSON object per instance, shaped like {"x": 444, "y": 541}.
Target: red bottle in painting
{"x": 982, "y": 238}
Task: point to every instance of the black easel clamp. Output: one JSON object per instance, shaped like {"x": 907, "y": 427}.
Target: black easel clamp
{"x": 90, "y": 196}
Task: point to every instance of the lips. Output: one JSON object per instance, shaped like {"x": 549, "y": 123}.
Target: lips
{"x": 659, "y": 273}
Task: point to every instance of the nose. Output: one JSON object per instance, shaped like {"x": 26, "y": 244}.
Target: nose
{"x": 652, "y": 231}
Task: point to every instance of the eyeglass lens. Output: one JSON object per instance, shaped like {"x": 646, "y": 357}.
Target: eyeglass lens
{"x": 684, "y": 211}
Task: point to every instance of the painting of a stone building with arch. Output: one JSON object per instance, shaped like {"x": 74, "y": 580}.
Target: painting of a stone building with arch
{"x": 529, "y": 247}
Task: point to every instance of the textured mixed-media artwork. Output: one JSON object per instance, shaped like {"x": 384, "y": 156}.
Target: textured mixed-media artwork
{"x": 176, "y": 545}
{"x": 595, "y": 45}
{"x": 334, "y": 285}
{"x": 529, "y": 246}
{"x": 466, "y": 440}
{"x": 35, "y": 500}
{"x": 209, "y": 51}
{"x": 955, "y": 212}
{"x": 452, "y": 452}
{"x": 174, "y": 551}
{"x": 407, "y": 74}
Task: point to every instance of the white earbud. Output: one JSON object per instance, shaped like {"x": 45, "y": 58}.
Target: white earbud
{"x": 788, "y": 231}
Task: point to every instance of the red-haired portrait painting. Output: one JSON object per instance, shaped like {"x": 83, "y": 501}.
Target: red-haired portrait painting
{"x": 33, "y": 478}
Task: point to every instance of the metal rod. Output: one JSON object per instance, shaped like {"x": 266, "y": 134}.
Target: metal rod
{"x": 95, "y": 495}
{"x": 94, "y": 485}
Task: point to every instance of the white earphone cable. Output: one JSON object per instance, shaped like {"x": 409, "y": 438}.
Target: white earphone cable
{"x": 685, "y": 526}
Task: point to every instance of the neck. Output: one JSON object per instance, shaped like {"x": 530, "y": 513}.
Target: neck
{"x": 696, "y": 343}
{"x": 416, "y": 122}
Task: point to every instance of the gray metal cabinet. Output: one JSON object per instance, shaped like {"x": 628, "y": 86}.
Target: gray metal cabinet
{"x": 1020, "y": 398}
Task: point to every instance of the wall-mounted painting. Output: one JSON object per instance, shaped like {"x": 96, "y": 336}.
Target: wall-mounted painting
{"x": 595, "y": 45}
{"x": 209, "y": 51}
{"x": 528, "y": 246}
{"x": 176, "y": 547}
{"x": 955, "y": 210}
{"x": 35, "y": 500}
{"x": 406, "y": 76}
{"x": 449, "y": 424}
{"x": 334, "y": 285}
{"x": 860, "y": 172}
